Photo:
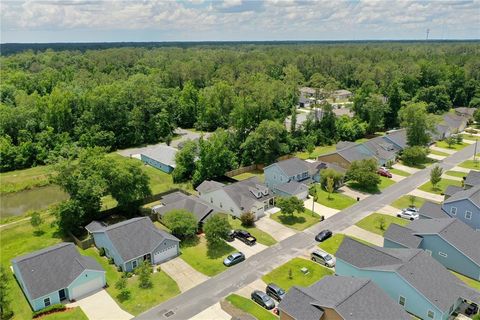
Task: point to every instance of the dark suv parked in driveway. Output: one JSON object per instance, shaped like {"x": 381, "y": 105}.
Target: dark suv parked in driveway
{"x": 275, "y": 291}
{"x": 245, "y": 237}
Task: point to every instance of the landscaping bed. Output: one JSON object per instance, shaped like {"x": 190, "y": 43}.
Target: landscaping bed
{"x": 69, "y": 314}
{"x": 250, "y": 307}
{"x": 298, "y": 221}
{"x": 372, "y": 222}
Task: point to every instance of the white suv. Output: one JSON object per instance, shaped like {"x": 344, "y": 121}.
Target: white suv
{"x": 409, "y": 213}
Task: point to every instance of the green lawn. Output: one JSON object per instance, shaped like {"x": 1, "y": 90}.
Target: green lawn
{"x": 469, "y": 281}
{"x": 428, "y": 162}
{"x": 250, "y": 307}
{"x": 332, "y": 244}
{"x": 246, "y": 175}
{"x": 317, "y": 152}
{"x": 208, "y": 261}
{"x": 441, "y": 186}
{"x": 140, "y": 300}
{"x": 438, "y": 153}
{"x": 459, "y": 146}
{"x": 399, "y": 172}
{"x": 280, "y": 275}
{"x": 298, "y": 221}
{"x": 456, "y": 174}
{"x": 69, "y": 314}
{"x": 262, "y": 237}
{"x": 337, "y": 201}
{"x": 469, "y": 164}
{"x": 371, "y": 223}
{"x": 404, "y": 202}
{"x": 361, "y": 140}
{"x": 384, "y": 183}
{"x": 468, "y": 136}
{"x": 19, "y": 180}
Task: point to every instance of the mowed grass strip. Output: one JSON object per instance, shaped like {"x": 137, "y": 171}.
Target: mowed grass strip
{"x": 404, "y": 202}
{"x": 332, "y": 244}
{"x": 456, "y": 146}
{"x": 440, "y": 187}
{"x": 250, "y": 307}
{"x": 399, "y": 172}
{"x": 372, "y": 222}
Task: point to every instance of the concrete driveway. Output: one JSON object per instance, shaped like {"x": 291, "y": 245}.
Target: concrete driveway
{"x": 214, "y": 312}
{"x": 247, "y": 250}
{"x": 401, "y": 167}
{"x": 391, "y": 211}
{"x": 320, "y": 209}
{"x": 353, "y": 193}
{"x": 363, "y": 234}
{"x": 184, "y": 275}
{"x": 101, "y": 306}
{"x": 247, "y": 290}
{"x": 436, "y": 156}
{"x": 427, "y": 195}
{"x": 397, "y": 178}
{"x": 277, "y": 230}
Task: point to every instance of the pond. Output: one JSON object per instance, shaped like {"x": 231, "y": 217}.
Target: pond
{"x": 18, "y": 203}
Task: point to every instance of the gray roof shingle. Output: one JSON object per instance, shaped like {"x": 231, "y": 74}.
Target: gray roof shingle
{"x": 451, "y": 190}
{"x": 209, "y": 185}
{"x": 163, "y": 154}
{"x": 472, "y": 194}
{"x": 53, "y": 268}
{"x": 473, "y": 178}
{"x": 292, "y": 187}
{"x": 432, "y": 210}
{"x": 399, "y": 137}
{"x": 135, "y": 237}
{"x": 418, "y": 268}
{"x": 178, "y": 200}
{"x": 241, "y": 193}
{"x": 402, "y": 235}
{"x": 292, "y": 166}
{"x": 297, "y": 304}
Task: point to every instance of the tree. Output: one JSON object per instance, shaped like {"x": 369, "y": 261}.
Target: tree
{"x": 248, "y": 219}
{"x": 414, "y": 155}
{"x": 381, "y": 223}
{"x": 182, "y": 223}
{"x": 364, "y": 172}
{"x": 436, "y": 98}
{"x": 185, "y": 162}
{"x": 476, "y": 115}
{"x": 293, "y": 121}
{"x": 376, "y": 109}
{"x": 436, "y": 175}
{"x": 328, "y": 173}
{"x": 418, "y": 123}
{"x": 216, "y": 229}
{"x": 290, "y": 205}
{"x": 328, "y": 124}
{"x": 451, "y": 140}
{"x": 330, "y": 187}
{"x": 394, "y": 105}
{"x": 144, "y": 272}
{"x": 350, "y": 129}
{"x": 412, "y": 199}
{"x": 5, "y": 311}
{"x": 36, "y": 220}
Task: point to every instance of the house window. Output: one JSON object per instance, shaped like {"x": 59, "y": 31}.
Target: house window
{"x": 442, "y": 254}
{"x": 46, "y": 301}
{"x": 402, "y": 301}
{"x": 134, "y": 264}
{"x": 453, "y": 211}
{"x": 431, "y": 314}
{"x": 468, "y": 215}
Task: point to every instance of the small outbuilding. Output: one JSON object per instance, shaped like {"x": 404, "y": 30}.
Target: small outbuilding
{"x": 160, "y": 157}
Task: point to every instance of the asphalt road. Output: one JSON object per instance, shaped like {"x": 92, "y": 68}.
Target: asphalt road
{"x": 195, "y": 300}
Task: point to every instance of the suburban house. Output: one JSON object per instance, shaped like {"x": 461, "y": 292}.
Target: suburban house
{"x": 465, "y": 206}
{"x": 465, "y": 112}
{"x": 178, "y": 200}
{"x": 337, "y": 297}
{"x": 161, "y": 157}
{"x": 451, "y": 123}
{"x": 383, "y": 149}
{"x": 450, "y": 241}
{"x": 472, "y": 179}
{"x": 57, "y": 273}
{"x": 132, "y": 241}
{"x": 307, "y": 97}
{"x": 249, "y": 195}
{"x": 411, "y": 277}
{"x": 432, "y": 210}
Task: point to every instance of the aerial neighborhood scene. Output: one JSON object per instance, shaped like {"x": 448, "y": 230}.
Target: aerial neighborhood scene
{"x": 240, "y": 160}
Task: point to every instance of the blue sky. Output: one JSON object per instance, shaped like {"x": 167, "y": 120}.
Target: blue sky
{"x": 205, "y": 20}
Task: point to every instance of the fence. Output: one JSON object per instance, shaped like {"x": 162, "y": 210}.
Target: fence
{"x": 83, "y": 244}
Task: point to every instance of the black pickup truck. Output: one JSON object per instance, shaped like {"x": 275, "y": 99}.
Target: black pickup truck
{"x": 245, "y": 237}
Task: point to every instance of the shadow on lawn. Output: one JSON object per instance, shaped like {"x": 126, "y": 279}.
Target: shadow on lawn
{"x": 366, "y": 189}
{"x": 218, "y": 250}
{"x": 290, "y": 219}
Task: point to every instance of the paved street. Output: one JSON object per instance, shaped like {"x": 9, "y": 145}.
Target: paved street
{"x": 201, "y": 297}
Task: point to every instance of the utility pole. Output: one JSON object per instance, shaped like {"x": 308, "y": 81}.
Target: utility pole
{"x": 428, "y": 32}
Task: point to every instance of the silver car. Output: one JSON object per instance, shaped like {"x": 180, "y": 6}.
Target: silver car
{"x": 409, "y": 213}
{"x": 323, "y": 257}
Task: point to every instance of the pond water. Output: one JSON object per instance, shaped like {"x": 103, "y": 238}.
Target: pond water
{"x": 18, "y": 203}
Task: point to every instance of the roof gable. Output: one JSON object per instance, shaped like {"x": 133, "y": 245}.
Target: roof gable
{"x": 472, "y": 195}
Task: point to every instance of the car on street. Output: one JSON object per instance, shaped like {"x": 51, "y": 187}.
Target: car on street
{"x": 275, "y": 291}
{"x": 263, "y": 299}
{"x": 245, "y": 237}
{"x": 323, "y": 235}
{"x": 409, "y": 213}
{"x": 384, "y": 172}
{"x": 233, "y": 259}
{"x": 323, "y": 257}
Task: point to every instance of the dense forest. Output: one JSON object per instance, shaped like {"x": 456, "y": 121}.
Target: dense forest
{"x": 55, "y": 102}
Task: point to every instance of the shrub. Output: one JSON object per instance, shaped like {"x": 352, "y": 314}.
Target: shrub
{"x": 459, "y": 138}
{"x": 144, "y": 272}
{"x": 414, "y": 155}
{"x": 101, "y": 252}
{"x": 50, "y": 309}
{"x": 248, "y": 219}
{"x": 121, "y": 283}
{"x": 111, "y": 261}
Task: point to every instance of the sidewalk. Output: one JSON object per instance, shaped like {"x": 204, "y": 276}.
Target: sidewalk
{"x": 405, "y": 168}
{"x": 427, "y": 195}
{"x": 363, "y": 234}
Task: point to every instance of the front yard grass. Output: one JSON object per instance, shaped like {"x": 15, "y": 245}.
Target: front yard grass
{"x": 384, "y": 183}
{"x": 262, "y": 237}
{"x": 281, "y": 277}
{"x": 250, "y": 307}
{"x": 332, "y": 244}
{"x": 70, "y": 314}
{"x": 428, "y": 162}
{"x": 208, "y": 261}
{"x": 441, "y": 186}
{"x": 438, "y": 153}
{"x": 317, "y": 152}
{"x": 404, "y": 202}
{"x": 255, "y": 173}
{"x": 140, "y": 299}
{"x": 469, "y": 281}
{"x": 337, "y": 200}
{"x": 399, "y": 172}
{"x": 456, "y": 173}
{"x": 298, "y": 221}
{"x": 456, "y": 146}
{"x": 470, "y": 164}
{"x": 372, "y": 222}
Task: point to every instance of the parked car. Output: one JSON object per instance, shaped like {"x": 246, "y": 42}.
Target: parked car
{"x": 230, "y": 236}
{"x": 323, "y": 257}
{"x": 409, "y": 213}
{"x": 233, "y": 259}
{"x": 275, "y": 291}
{"x": 263, "y": 299}
{"x": 472, "y": 309}
{"x": 245, "y": 237}
{"x": 323, "y": 235}
{"x": 384, "y": 172}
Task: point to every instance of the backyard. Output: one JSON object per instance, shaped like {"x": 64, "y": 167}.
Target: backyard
{"x": 298, "y": 221}
{"x": 337, "y": 200}
{"x": 441, "y": 186}
{"x": 373, "y": 222}
{"x": 290, "y": 274}
{"x": 262, "y": 237}
{"x": 404, "y": 202}
{"x": 316, "y": 152}
{"x": 250, "y": 307}
{"x": 246, "y": 175}
{"x": 208, "y": 261}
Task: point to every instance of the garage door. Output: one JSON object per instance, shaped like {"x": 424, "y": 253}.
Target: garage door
{"x": 165, "y": 254}
{"x": 86, "y": 288}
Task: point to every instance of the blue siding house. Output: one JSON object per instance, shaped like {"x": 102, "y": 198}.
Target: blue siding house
{"x": 451, "y": 242}
{"x": 57, "y": 273}
{"x": 465, "y": 206}
{"x": 161, "y": 157}
{"x": 132, "y": 241}
{"x": 410, "y": 277}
